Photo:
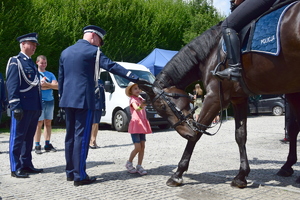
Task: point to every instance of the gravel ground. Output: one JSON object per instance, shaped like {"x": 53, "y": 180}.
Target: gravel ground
{"x": 213, "y": 165}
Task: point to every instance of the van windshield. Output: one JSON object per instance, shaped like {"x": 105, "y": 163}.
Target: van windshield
{"x": 122, "y": 82}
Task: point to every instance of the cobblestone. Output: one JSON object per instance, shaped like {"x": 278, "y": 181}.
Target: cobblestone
{"x": 213, "y": 165}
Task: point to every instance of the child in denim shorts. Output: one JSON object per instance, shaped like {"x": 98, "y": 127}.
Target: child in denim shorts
{"x": 138, "y": 127}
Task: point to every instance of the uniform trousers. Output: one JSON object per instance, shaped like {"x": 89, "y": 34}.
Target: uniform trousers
{"x": 245, "y": 13}
{"x": 78, "y": 127}
{"x": 21, "y": 139}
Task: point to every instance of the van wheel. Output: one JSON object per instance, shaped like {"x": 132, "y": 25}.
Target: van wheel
{"x": 277, "y": 110}
{"x": 120, "y": 121}
{"x": 164, "y": 126}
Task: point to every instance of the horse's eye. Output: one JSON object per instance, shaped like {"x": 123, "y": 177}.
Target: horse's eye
{"x": 163, "y": 106}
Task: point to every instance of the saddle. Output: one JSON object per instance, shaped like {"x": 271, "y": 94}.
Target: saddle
{"x": 252, "y": 30}
{"x": 247, "y": 34}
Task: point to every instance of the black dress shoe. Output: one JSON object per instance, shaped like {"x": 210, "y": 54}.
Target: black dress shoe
{"x": 70, "y": 178}
{"x": 31, "y": 170}
{"x": 85, "y": 181}
{"x": 19, "y": 174}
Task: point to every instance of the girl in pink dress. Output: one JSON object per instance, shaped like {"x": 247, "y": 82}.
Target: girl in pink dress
{"x": 138, "y": 127}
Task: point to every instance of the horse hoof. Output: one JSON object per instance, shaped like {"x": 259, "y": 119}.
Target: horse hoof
{"x": 172, "y": 182}
{"x": 238, "y": 183}
{"x": 285, "y": 172}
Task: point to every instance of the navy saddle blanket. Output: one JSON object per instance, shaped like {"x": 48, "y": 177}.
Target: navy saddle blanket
{"x": 266, "y": 33}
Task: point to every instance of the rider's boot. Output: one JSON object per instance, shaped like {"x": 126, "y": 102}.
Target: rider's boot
{"x": 232, "y": 42}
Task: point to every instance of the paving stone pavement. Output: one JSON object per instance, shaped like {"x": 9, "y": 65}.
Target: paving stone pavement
{"x": 214, "y": 163}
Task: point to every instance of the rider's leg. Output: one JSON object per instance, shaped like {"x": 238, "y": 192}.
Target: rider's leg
{"x": 241, "y": 16}
{"x": 232, "y": 43}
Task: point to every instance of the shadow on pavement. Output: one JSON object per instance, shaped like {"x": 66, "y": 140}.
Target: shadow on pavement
{"x": 256, "y": 178}
{"x": 124, "y": 175}
{"x": 116, "y": 145}
{"x": 61, "y": 168}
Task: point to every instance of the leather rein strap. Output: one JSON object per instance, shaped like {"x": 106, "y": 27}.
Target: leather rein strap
{"x": 178, "y": 113}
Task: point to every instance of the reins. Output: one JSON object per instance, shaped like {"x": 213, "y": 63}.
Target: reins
{"x": 221, "y": 115}
{"x": 221, "y": 94}
{"x": 178, "y": 113}
{"x": 173, "y": 107}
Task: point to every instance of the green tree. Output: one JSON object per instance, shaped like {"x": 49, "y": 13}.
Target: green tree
{"x": 134, "y": 27}
{"x": 203, "y": 16}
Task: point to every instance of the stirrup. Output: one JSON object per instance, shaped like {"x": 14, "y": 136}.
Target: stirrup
{"x": 217, "y": 69}
{"x": 230, "y": 73}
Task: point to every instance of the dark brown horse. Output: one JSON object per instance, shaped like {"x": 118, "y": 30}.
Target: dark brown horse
{"x": 262, "y": 74}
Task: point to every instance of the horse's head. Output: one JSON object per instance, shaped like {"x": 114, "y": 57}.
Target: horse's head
{"x": 174, "y": 105}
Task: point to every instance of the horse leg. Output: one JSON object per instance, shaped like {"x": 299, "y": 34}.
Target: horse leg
{"x": 287, "y": 170}
{"x": 293, "y": 130}
{"x": 183, "y": 165}
{"x": 240, "y": 116}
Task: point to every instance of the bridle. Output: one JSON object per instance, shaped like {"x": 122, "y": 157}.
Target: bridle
{"x": 188, "y": 119}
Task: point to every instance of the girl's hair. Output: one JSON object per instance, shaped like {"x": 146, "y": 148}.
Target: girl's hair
{"x": 130, "y": 91}
{"x": 198, "y": 89}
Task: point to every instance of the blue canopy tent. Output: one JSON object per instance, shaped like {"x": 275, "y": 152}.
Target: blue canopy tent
{"x": 157, "y": 59}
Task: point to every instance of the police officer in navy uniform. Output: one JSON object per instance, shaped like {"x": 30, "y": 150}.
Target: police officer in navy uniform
{"x": 23, "y": 88}
{"x": 78, "y": 74}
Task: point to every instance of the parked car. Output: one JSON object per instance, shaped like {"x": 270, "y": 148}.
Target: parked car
{"x": 267, "y": 104}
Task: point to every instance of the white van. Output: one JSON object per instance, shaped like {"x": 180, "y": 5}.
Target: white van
{"x": 117, "y": 103}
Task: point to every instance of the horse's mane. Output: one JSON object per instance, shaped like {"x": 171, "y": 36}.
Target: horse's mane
{"x": 183, "y": 68}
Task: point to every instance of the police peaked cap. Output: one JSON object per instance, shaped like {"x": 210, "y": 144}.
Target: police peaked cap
{"x": 95, "y": 29}
{"x": 32, "y": 37}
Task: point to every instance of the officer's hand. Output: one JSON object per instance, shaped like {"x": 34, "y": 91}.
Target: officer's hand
{"x": 103, "y": 112}
{"x": 18, "y": 114}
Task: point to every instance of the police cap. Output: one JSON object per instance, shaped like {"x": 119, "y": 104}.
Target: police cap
{"x": 32, "y": 37}
{"x": 95, "y": 29}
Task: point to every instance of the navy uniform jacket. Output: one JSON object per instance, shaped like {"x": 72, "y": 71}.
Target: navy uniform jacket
{"x": 76, "y": 75}
{"x": 28, "y": 100}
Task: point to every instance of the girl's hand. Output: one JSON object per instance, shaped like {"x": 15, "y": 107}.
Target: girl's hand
{"x": 137, "y": 107}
